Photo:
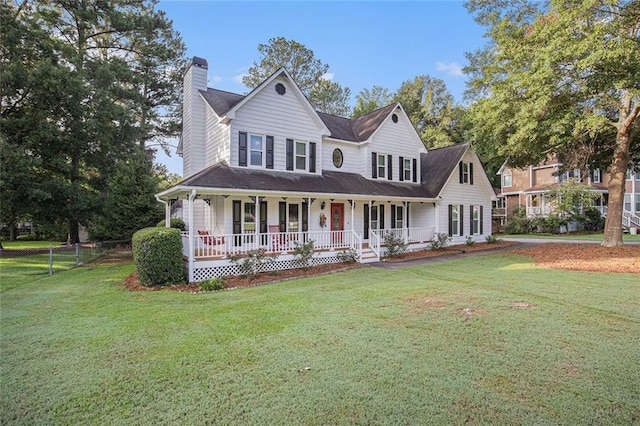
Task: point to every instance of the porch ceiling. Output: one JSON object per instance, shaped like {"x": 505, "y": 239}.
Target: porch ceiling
{"x": 223, "y": 179}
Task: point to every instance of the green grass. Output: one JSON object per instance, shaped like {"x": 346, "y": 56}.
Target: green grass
{"x": 366, "y": 346}
{"x": 20, "y": 244}
{"x": 586, "y": 237}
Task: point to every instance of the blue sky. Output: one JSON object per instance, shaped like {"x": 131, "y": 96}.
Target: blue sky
{"x": 365, "y": 43}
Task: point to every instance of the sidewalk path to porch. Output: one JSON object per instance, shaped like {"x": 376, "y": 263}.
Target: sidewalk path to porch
{"x": 522, "y": 243}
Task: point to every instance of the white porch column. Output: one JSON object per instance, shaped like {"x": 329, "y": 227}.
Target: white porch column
{"x": 192, "y": 197}
{"x": 353, "y": 210}
{"x": 436, "y": 218}
{"x": 167, "y": 214}
{"x": 257, "y": 231}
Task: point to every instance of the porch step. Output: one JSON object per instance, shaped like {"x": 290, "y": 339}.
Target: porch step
{"x": 368, "y": 256}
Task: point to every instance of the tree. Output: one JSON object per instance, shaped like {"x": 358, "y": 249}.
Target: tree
{"x": 84, "y": 87}
{"x": 331, "y": 98}
{"x": 129, "y": 204}
{"x": 431, "y": 109}
{"x": 307, "y": 71}
{"x": 562, "y": 77}
{"x": 370, "y": 100}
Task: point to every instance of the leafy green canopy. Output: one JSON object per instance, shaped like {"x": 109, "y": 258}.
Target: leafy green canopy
{"x": 308, "y": 72}
{"x": 83, "y": 83}
{"x": 563, "y": 78}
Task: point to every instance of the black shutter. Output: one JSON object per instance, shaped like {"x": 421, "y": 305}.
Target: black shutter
{"x": 305, "y": 216}
{"x": 481, "y": 220}
{"x": 242, "y": 149}
{"x": 289, "y": 155}
{"x": 461, "y": 220}
{"x": 460, "y": 172}
{"x": 470, "y": 220}
{"x": 406, "y": 223}
{"x": 366, "y": 221}
{"x": 282, "y": 216}
{"x": 470, "y": 173}
{"x": 374, "y": 165}
{"x": 312, "y": 157}
{"x": 381, "y": 212}
{"x": 450, "y": 220}
{"x": 393, "y": 215}
{"x": 237, "y": 222}
{"x": 263, "y": 216}
{"x": 390, "y": 167}
{"x": 401, "y": 168}
{"x": 269, "y": 152}
{"x": 415, "y": 170}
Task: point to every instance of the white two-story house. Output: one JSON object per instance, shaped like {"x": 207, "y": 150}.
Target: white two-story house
{"x": 266, "y": 171}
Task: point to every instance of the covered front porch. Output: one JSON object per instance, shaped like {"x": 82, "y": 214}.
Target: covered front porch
{"x": 223, "y": 226}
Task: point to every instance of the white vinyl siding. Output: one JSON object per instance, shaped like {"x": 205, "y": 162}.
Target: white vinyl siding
{"x": 282, "y": 116}
{"x": 217, "y": 146}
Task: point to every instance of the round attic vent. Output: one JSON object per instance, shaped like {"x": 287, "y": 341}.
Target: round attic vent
{"x": 394, "y": 117}
{"x": 280, "y": 89}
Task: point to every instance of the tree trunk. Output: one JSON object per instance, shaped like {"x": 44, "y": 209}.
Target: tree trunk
{"x": 619, "y": 165}
{"x": 628, "y": 114}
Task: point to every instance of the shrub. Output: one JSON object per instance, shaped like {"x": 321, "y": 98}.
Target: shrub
{"x": 348, "y": 256}
{"x": 519, "y": 223}
{"x": 214, "y": 284}
{"x": 303, "y": 253}
{"x": 395, "y": 245}
{"x": 253, "y": 262}
{"x": 157, "y": 253}
{"x": 549, "y": 225}
{"x": 176, "y": 222}
{"x": 469, "y": 240}
{"x": 440, "y": 241}
{"x": 491, "y": 239}
{"x": 592, "y": 219}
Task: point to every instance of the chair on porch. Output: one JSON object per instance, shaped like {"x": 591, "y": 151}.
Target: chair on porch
{"x": 278, "y": 240}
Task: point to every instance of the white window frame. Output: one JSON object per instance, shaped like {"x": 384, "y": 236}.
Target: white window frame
{"x": 465, "y": 172}
{"x": 597, "y": 176}
{"x": 507, "y": 174}
{"x": 408, "y": 169}
{"x": 381, "y": 166}
{"x": 627, "y": 201}
{"x": 293, "y": 225}
{"x": 455, "y": 219}
{"x": 251, "y": 150}
{"x": 248, "y": 213}
{"x": 475, "y": 228}
{"x": 304, "y": 157}
{"x": 374, "y": 218}
{"x": 399, "y": 216}
{"x": 637, "y": 203}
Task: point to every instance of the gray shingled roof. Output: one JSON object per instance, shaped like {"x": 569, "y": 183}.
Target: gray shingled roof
{"x": 437, "y": 166}
{"x": 222, "y": 176}
{"x": 221, "y": 101}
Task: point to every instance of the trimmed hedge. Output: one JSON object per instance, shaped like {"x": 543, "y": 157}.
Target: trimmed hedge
{"x": 157, "y": 253}
{"x": 176, "y": 222}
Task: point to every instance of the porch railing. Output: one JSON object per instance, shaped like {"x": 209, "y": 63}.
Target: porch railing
{"x": 409, "y": 235}
{"x": 538, "y": 211}
{"x": 206, "y": 246}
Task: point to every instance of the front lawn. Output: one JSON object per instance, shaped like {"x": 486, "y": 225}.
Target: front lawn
{"x": 490, "y": 339}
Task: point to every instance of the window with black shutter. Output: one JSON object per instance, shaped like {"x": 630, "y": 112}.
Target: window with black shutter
{"x": 401, "y": 168}
{"x": 374, "y": 165}
{"x": 390, "y": 167}
{"x": 393, "y": 215}
{"x": 470, "y": 173}
{"x": 282, "y": 216}
{"x": 366, "y": 221}
{"x": 415, "y": 170}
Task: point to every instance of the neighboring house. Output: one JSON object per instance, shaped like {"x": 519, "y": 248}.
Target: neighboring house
{"x": 266, "y": 171}
{"x": 529, "y": 188}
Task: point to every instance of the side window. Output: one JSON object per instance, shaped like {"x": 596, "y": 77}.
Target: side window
{"x": 256, "y": 147}
{"x": 301, "y": 155}
{"x": 382, "y": 165}
{"x": 507, "y": 178}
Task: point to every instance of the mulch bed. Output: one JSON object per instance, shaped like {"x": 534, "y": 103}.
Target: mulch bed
{"x": 585, "y": 257}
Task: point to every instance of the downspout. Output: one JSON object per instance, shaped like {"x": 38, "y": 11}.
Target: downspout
{"x": 192, "y": 197}
{"x": 167, "y": 212}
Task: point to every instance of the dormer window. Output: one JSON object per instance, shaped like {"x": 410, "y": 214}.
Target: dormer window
{"x": 507, "y": 178}
{"x": 301, "y": 155}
